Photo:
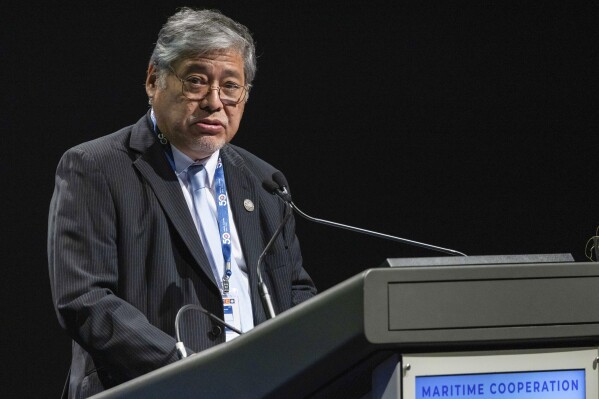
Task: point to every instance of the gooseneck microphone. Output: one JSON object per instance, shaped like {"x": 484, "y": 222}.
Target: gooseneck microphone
{"x": 269, "y": 310}
{"x": 278, "y": 186}
{"x": 179, "y": 345}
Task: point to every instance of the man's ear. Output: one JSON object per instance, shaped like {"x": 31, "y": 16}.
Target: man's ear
{"x": 151, "y": 78}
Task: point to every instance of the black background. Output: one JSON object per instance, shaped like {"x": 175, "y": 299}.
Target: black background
{"x": 471, "y": 125}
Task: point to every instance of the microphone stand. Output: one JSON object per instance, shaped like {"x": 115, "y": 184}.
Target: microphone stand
{"x": 179, "y": 345}
{"x": 377, "y": 234}
{"x": 264, "y": 294}
{"x": 278, "y": 184}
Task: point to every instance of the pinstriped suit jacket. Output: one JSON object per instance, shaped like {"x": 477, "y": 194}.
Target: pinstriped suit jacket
{"x": 124, "y": 255}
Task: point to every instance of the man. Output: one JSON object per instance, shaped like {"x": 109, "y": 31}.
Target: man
{"x": 133, "y": 237}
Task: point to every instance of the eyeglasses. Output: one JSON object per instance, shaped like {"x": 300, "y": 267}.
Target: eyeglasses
{"x": 196, "y": 88}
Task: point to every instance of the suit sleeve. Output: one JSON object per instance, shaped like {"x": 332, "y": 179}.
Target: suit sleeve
{"x": 83, "y": 263}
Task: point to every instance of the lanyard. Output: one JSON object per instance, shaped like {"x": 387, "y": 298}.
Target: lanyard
{"x": 222, "y": 209}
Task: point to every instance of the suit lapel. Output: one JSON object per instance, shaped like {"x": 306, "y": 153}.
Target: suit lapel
{"x": 155, "y": 168}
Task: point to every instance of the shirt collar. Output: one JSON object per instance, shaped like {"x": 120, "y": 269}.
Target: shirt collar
{"x": 182, "y": 162}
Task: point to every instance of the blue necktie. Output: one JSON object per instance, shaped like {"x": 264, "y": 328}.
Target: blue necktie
{"x": 207, "y": 225}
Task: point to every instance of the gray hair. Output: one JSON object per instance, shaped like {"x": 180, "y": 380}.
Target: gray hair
{"x": 189, "y": 33}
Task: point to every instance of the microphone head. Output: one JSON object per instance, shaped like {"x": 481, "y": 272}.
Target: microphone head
{"x": 276, "y": 188}
{"x": 270, "y": 186}
{"x": 279, "y": 178}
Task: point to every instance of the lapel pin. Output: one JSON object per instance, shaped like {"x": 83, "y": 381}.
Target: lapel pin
{"x": 249, "y": 205}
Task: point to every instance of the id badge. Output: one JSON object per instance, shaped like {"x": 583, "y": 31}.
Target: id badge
{"x": 231, "y": 311}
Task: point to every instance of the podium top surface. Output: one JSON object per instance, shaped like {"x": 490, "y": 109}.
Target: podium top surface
{"x": 478, "y": 260}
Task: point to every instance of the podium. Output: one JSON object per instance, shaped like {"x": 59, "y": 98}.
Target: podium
{"x": 332, "y": 345}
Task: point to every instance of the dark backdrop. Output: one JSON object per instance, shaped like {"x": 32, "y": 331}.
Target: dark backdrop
{"x": 470, "y": 125}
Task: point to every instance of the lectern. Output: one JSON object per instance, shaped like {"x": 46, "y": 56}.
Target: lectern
{"x": 386, "y": 332}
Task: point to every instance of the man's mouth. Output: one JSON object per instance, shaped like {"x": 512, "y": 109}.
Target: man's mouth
{"x": 209, "y": 126}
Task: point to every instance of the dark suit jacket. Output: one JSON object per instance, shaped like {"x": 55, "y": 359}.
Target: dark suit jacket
{"x": 125, "y": 256}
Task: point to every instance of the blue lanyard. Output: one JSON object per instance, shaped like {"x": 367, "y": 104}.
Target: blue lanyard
{"x": 222, "y": 209}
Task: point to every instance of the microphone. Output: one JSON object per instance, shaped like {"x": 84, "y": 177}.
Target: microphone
{"x": 179, "y": 345}
{"x": 278, "y": 186}
{"x": 267, "y": 305}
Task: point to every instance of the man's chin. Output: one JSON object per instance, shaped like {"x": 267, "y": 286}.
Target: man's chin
{"x": 206, "y": 146}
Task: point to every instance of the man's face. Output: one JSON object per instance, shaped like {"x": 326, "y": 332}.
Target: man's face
{"x": 198, "y": 127}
